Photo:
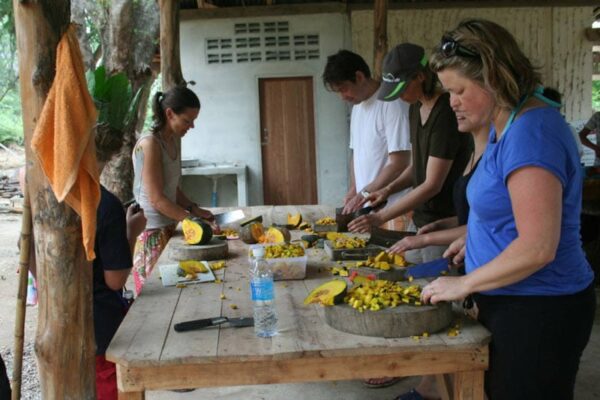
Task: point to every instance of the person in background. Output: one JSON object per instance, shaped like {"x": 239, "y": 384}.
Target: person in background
{"x": 592, "y": 126}
{"x": 379, "y": 137}
{"x": 157, "y": 168}
{"x": 379, "y": 132}
{"x": 116, "y": 232}
{"x": 440, "y": 152}
{"x": 525, "y": 265}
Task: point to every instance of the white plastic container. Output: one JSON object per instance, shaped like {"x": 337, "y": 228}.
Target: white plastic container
{"x": 283, "y": 268}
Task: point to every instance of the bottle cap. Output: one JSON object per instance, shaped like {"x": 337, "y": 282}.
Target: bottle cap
{"x": 258, "y": 252}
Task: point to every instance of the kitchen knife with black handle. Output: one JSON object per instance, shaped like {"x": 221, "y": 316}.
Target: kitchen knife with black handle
{"x": 207, "y": 322}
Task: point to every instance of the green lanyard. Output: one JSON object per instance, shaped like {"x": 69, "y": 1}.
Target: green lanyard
{"x": 538, "y": 94}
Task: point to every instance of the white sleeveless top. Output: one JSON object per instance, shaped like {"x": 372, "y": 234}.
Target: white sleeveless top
{"x": 171, "y": 172}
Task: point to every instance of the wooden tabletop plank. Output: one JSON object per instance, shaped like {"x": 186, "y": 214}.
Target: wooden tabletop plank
{"x": 197, "y": 301}
{"x": 141, "y": 336}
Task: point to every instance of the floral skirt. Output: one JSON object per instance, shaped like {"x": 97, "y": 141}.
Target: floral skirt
{"x": 148, "y": 247}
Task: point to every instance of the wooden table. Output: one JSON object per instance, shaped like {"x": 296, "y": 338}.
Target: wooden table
{"x": 150, "y": 355}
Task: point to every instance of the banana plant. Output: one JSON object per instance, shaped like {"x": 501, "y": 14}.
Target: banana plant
{"x": 115, "y": 102}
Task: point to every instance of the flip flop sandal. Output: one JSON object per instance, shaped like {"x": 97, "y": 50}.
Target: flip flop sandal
{"x": 412, "y": 394}
{"x": 385, "y": 382}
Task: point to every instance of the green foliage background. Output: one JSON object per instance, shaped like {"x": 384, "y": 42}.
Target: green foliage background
{"x": 11, "y": 124}
{"x": 596, "y": 95}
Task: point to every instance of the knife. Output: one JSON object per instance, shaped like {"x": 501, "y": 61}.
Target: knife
{"x": 434, "y": 269}
{"x": 342, "y": 220}
{"x": 229, "y": 217}
{"x": 205, "y": 323}
{"x": 366, "y": 210}
{"x": 386, "y": 237}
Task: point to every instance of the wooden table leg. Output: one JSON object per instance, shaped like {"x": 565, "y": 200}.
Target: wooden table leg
{"x": 444, "y": 386}
{"x": 468, "y": 385}
{"x": 132, "y": 395}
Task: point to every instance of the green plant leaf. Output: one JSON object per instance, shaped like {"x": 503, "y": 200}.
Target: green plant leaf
{"x": 113, "y": 98}
{"x": 133, "y": 106}
{"x": 119, "y": 100}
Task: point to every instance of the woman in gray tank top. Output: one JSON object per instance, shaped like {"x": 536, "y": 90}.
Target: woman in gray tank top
{"x": 157, "y": 167}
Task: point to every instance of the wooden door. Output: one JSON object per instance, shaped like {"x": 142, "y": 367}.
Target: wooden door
{"x": 288, "y": 141}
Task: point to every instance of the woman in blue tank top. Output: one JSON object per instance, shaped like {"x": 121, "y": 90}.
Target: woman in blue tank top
{"x": 524, "y": 261}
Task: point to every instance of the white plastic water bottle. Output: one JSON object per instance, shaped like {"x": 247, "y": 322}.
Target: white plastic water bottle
{"x": 263, "y": 295}
{"x": 32, "y": 295}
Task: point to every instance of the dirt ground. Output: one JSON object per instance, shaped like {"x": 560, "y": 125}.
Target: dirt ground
{"x": 587, "y": 387}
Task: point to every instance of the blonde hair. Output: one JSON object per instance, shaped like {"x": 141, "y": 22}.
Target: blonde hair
{"x": 500, "y": 65}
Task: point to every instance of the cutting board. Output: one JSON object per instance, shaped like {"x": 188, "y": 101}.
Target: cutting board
{"x": 169, "y": 277}
{"x": 401, "y": 321}
{"x": 216, "y": 249}
{"x": 351, "y": 254}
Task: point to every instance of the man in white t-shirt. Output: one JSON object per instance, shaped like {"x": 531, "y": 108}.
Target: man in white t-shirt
{"x": 592, "y": 126}
{"x": 379, "y": 131}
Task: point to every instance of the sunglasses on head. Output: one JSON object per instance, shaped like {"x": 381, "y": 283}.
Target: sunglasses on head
{"x": 450, "y": 47}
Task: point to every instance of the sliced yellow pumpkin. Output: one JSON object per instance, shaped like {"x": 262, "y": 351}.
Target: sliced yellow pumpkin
{"x": 333, "y": 236}
{"x": 190, "y": 268}
{"x": 399, "y": 260}
{"x": 294, "y": 220}
{"x": 382, "y": 256}
{"x": 327, "y": 294}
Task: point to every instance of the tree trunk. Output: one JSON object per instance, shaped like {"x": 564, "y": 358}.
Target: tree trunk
{"x": 64, "y": 343}
{"x": 170, "y": 61}
{"x": 381, "y": 44}
{"x": 121, "y": 56}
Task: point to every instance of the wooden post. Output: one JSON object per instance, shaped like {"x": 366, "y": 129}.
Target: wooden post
{"x": 64, "y": 343}
{"x": 170, "y": 61}
{"x": 380, "y": 35}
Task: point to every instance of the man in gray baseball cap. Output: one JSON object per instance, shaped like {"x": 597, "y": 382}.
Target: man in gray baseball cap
{"x": 399, "y": 66}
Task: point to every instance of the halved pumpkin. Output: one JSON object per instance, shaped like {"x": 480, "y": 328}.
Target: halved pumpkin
{"x": 276, "y": 234}
{"x": 303, "y": 225}
{"x": 196, "y": 231}
{"x": 258, "y": 219}
{"x": 294, "y": 221}
{"x": 327, "y": 294}
{"x": 252, "y": 233}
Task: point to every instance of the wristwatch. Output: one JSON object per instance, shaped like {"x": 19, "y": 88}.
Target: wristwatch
{"x": 365, "y": 193}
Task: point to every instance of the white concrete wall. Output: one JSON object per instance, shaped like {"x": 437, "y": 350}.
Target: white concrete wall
{"x": 227, "y": 129}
